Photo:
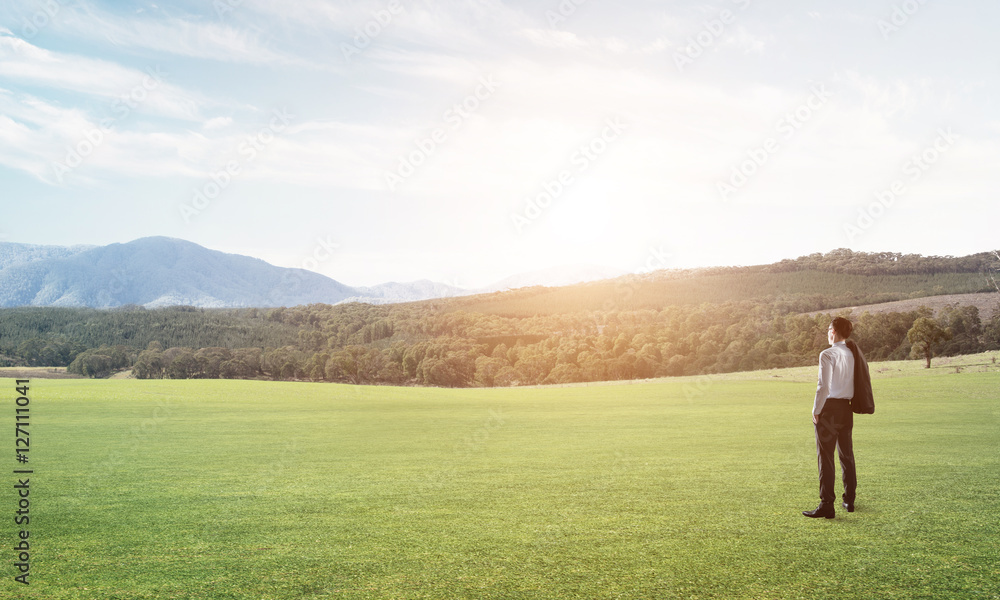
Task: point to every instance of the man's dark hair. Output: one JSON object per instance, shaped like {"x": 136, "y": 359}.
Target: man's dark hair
{"x": 843, "y": 327}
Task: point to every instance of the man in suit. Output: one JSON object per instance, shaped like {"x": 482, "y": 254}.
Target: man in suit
{"x": 834, "y": 420}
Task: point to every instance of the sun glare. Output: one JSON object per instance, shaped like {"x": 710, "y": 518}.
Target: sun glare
{"x": 580, "y": 219}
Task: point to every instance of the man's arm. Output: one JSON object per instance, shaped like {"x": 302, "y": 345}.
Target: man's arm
{"x": 823, "y": 385}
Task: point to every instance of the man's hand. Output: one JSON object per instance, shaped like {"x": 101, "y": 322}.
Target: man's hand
{"x": 815, "y": 420}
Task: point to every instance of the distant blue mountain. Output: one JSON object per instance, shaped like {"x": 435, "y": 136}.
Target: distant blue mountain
{"x": 162, "y": 271}
{"x": 152, "y": 272}
{"x": 17, "y": 254}
{"x": 388, "y": 293}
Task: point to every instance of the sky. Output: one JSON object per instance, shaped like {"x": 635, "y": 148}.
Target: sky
{"x": 464, "y": 142}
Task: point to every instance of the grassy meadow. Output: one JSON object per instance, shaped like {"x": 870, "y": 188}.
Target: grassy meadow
{"x": 677, "y": 488}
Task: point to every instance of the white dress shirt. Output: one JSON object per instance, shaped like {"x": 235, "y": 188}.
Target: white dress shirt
{"x": 836, "y": 375}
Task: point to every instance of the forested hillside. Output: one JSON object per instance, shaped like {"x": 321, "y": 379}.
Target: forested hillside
{"x": 832, "y": 280}
{"x": 661, "y": 324}
{"x": 55, "y": 336}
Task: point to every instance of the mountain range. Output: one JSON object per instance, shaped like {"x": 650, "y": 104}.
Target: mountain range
{"x": 161, "y": 271}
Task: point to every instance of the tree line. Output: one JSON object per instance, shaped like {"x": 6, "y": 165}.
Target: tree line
{"x": 44, "y": 336}
{"x": 665, "y": 323}
{"x": 362, "y": 344}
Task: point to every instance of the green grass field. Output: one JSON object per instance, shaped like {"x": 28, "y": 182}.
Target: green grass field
{"x": 681, "y": 488}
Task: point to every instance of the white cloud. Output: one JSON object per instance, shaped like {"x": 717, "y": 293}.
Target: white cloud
{"x": 14, "y": 135}
{"x": 747, "y": 42}
{"x": 142, "y": 91}
{"x": 41, "y": 138}
{"x": 218, "y": 123}
{"x": 685, "y": 135}
{"x": 431, "y": 67}
{"x": 214, "y": 39}
{"x": 35, "y": 133}
{"x": 616, "y": 45}
{"x": 198, "y": 40}
{"x": 308, "y": 13}
{"x": 661, "y": 44}
{"x": 551, "y": 38}
{"x": 67, "y": 147}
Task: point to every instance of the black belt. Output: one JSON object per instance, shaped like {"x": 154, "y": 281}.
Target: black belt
{"x": 844, "y": 399}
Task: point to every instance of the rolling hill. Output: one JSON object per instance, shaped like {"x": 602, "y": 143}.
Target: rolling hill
{"x": 988, "y": 304}
{"x": 840, "y": 278}
{"x": 158, "y": 271}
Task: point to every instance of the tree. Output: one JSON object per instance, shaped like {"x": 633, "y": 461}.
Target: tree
{"x": 183, "y": 366}
{"x": 925, "y": 334}
{"x": 534, "y": 364}
{"x": 993, "y": 271}
{"x": 412, "y": 358}
{"x": 248, "y": 362}
{"x": 209, "y": 361}
{"x": 235, "y": 368}
{"x": 31, "y": 351}
{"x": 991, "y": 332}
{"x": 966, "y": 329}
{"x": 506, "y": 377}
{"x": 391, "y": 373}
{"x": 564, "y": 373}
{"x": 149, "y": 365}
{"x": 487, "y": 368}
{"x": 100, "y": 362}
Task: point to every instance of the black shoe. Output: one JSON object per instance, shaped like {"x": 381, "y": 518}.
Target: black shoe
{"x": 820, "y": 512}
{"x": 849, "y": 506}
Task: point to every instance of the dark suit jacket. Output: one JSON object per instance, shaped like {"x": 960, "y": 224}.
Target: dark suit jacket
{"x": 863, "y": 401}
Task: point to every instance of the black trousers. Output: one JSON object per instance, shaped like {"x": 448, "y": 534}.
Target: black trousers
{"x": 833, "y": 432}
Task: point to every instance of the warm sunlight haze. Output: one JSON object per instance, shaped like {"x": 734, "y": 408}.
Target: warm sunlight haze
{"x": 467, "y": 142}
